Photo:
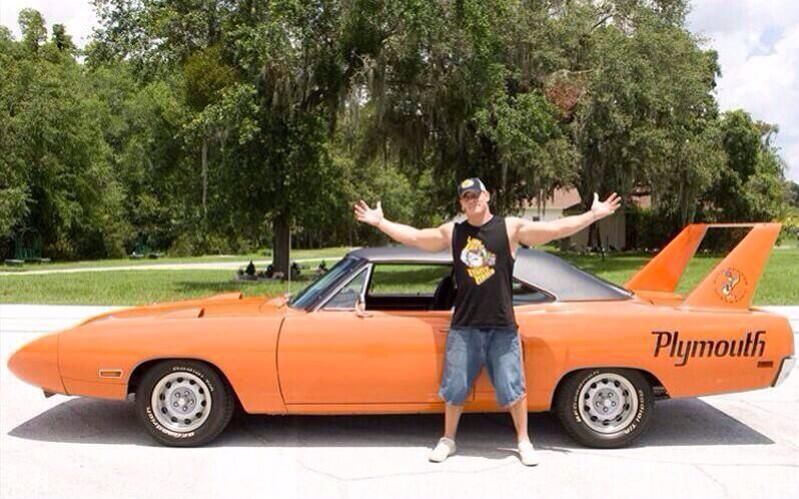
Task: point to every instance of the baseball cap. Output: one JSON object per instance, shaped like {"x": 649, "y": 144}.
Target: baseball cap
{"x": 471, "y": 184}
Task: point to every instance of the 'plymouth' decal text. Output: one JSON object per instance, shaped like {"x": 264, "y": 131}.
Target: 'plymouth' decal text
{"x": 751, "y": 345}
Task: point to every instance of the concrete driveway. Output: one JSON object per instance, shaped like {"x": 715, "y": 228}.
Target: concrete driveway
{"x": 737, "y": 445}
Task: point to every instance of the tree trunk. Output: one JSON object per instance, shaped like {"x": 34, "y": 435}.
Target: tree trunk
{"x": 503, "y": 183}
{"x": 281, "y": 244}
{"x": 683, "y": 200}
{"x": 205, "y": 178}
{"x": 593, "y": 236}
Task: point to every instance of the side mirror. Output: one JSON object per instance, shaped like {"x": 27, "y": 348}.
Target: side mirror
{"x": 285, "y": 299}
{"x": 360, "y": 308}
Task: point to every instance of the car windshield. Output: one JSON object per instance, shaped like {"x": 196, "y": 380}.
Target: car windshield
{"x": 317, "y": 287}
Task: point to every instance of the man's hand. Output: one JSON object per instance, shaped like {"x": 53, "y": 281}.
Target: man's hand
{"x": 433, "y": 239}
{"x": 608, "y": 207}
{"x": 367, "y": 215}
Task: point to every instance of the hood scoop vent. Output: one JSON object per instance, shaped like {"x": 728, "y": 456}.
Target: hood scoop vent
{"x": 226, "y": 297}
{"x": 184, "y": 313}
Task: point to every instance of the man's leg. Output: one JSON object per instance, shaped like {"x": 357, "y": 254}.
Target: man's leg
{"x": 461, "y": 365}
{"x": 518, "y": 412}
{"x": 507, "y": 375}
{"x": 505, "y": 368}
{"x": 446, "y": 444}
{"x": 452, "y": 414}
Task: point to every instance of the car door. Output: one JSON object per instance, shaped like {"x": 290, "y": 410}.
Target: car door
{"x": 339, "y": 355}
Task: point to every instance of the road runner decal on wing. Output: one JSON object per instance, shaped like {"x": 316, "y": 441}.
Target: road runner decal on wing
{"x": 730, "y": 285}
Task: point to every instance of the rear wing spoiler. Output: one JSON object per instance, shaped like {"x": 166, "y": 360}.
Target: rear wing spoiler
{"x": 731, "y": 284}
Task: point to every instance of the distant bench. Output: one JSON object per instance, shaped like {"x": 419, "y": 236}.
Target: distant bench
{"x": 18, "y": 261}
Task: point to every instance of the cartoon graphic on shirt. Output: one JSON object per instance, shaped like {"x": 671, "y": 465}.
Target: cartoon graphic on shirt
{"x": 478, "y": 259}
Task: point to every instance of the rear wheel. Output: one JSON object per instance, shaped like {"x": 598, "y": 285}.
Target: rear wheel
{"x": 605, "y": 407}
{"x": 184, "y": 403}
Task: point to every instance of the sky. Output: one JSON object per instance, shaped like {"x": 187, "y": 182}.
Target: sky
{"x": 757, "y": 42}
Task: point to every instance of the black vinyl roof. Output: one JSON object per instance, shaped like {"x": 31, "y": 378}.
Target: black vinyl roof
{"x": 538, "y": 268}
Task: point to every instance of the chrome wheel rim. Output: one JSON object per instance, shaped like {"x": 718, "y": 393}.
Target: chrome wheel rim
{"x": 181, "y": 402}
{"x": 608, "y": 403}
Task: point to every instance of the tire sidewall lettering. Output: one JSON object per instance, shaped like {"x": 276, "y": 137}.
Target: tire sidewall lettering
{"x": 222, "y": 409}
{"x": 575, "y": 412}
{"x": 197, "y": 373}
{"x": 575, "y": 401}
{"x": 158, "y": 426}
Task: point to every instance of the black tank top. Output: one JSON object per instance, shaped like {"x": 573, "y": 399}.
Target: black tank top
{"x": 483, "y": 268}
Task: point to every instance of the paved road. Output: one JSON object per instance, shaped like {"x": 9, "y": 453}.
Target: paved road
{"x": 737, "y": 445}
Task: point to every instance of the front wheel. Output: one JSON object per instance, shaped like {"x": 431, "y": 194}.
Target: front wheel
{"x": 184, "y": 403}
{"x": 605, "y": 408}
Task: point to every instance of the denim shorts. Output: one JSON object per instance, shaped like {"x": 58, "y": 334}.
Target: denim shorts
{"x": 468, "y": 348}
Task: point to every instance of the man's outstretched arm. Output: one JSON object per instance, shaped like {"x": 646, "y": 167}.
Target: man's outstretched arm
{"x": 433, "y": 239}
{"x": 532, "y": 233}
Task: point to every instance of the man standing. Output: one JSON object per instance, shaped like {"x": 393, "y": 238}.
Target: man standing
{"x": 483, "y": 328}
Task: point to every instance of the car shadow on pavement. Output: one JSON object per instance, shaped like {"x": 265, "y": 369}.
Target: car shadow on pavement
{"x": 93, "y": 421}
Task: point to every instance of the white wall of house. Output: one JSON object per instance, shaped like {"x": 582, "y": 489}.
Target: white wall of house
{"x": 543, "y": 215}
{"x": 611, "y": 232}
{"x": 611, "y": 229}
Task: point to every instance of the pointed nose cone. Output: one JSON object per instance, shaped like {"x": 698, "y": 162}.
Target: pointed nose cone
{"x": 37, "y": 363}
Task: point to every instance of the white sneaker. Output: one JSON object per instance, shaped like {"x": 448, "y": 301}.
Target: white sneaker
{"x": 444, "y": 448}
{"x": 527, "y": 453}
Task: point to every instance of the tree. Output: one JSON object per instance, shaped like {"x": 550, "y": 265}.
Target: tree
{"x": 647, "y": 121}
{"x": 793, "y": 193}
{"x": 458, "y": 93}
{"x": 750, "y": 185}
{"x": 57, "y": 180}
{"x": 31, "y": 24}
{"x": 14, "y": 193}
{"x": 278, "y": 166}
{"x": 217, "y": 125}
{"x": 142, "y": 124}
{"x": 62, "y": 40}
{"x": 206, "y": 75}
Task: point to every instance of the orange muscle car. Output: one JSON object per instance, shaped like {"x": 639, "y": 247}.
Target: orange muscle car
{"x": 360, "y": 339}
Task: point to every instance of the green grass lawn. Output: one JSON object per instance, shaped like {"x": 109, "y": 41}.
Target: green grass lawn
{"x": 778, "y": 285}
{"x": 295, "y": 254}
{"x": 132, "y": 287}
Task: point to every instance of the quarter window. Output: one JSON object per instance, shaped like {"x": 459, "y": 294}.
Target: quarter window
{"x": 346, "y": 297}
{"x": 524, "y": 294}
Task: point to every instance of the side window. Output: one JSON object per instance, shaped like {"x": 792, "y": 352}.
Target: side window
{"x": 347, "y": 296}
{"x": 406, "y": 279}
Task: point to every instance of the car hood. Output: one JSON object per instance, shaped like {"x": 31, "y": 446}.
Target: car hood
{"x": 226, "y": 304}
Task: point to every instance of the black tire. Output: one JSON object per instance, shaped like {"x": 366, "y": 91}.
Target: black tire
{"x": 219, "y": 395}
{"x": 621, "y": 433}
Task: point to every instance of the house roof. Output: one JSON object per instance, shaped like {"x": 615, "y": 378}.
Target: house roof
{"x": 565, "y": 198}
{"x": 561, "y": 199}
